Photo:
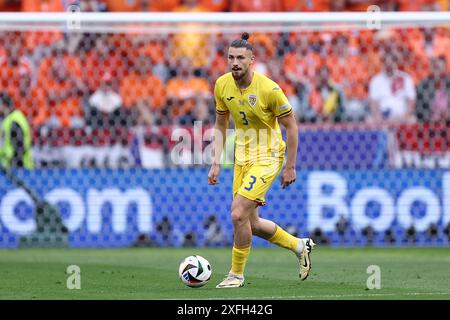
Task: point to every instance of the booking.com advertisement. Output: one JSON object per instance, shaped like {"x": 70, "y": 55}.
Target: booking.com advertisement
{"x": 115, "y": 208}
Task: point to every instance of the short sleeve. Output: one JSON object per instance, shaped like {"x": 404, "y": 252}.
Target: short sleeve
{"x": 221, "y": 107}
{"x": 279, "y": 103}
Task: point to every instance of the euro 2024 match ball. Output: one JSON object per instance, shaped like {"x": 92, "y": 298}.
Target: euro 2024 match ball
{"x": 195, "y": 271}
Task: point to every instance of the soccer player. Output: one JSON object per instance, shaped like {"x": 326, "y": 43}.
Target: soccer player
{"x": 257, "y": 106}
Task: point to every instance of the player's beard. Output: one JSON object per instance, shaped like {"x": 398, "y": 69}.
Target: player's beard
{"x": 240, "y": 75}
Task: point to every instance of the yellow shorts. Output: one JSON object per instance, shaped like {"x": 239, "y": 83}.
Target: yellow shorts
{"x": 252, "y": 181}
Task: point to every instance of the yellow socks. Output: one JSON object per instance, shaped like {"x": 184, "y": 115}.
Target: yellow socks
{"x": 239, "y": 259}
{"x": 285, "y": 240}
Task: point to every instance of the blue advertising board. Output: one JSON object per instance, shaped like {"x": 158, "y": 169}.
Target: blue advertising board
{"x": 112, "y": 208}
{"x": 342, "y": 149}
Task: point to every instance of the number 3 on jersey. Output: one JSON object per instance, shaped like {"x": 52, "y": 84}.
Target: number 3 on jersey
{"x": 244, "y": 118}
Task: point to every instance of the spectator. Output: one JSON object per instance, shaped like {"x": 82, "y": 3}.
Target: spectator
{"x": 326, "y": 98}
{"x": 433, "y": 94}
{"x": 13, "y": 62}
{"x": 392, "y": 94}
{"x": 190, "y": 43}
{"x": 91, "y": 5}
{"x": 447, "y": 231}
{"x": 184, "y": 90}
{"x": 216, "y": 5}
{"x": 39, "y": 42}
{"x": 165, "y": 228}
{"x": 349, "y": 70}
{"x": 299, "y": 68}
{"x": 432, "y": 232}
{"x": 417, "y": 5}
{"x": 60, "y": 75}
{"x": 214, "y": 236}
{"x": 307, "y": 6}
{"x": 369, "y": 233}
{"x": 161, "y": 6}
{"x": 105, "y": 104}
{"x": 264, "y": 49}
{"x": 319, "y": 237}
{"x": 300, "y": 65}
{"x": 29, "y": 98}
{"x": 142, "y": 92}
{"x": 389, "y": 236}
{"x": 16, "y": 144}
{"x": 429, "y": 42}
{"x": 152, "y": 47}
{"x": 411, "y": 234}
{"x": 256, "y": 6}
{"x": 10, "y": 5}
{"x": 190, "y": 239}
{"x": 342, "y": 226}
{"x": 124, "y": 5}
{"x": 101, "y": 60}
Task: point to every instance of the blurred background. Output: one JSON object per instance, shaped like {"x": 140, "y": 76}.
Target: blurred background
{"x": 101, "y": 107}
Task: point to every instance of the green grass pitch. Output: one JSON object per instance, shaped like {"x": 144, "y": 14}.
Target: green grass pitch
{"x": 271, "y": 273}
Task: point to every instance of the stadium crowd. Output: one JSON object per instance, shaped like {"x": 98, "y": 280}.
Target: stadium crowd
{"x": 73, "y": 80}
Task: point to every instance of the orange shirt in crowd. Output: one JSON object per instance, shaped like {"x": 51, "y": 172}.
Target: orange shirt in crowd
{"x": 135, "y": 87}
{"x": 164, "y": 6}
{"x": 152, "y": 49}
{"x": 215, "y": 5}
{"x": 5, "y": 6}
{"x": 67, "y": 103}
{"x": 256, "y": 6}
{"x": 42, "y": 5}
{"x": 46, "y": 38}
{"x": 96, "y": 65}
{"x": 416, "y": 5}
{"x": 358, "y": 6}
{"x": 124, "y": 5}
{"x": 440, "y": 46}
{"x": 265, "y": 40}
{"x": 185, "y": 91}
{"x": 32, "y": 104}
{"x": 306, "y": 5}
{"x": 351, "y": 73}
{"x": 190, "y": 43}
{"x": 301, "y": 66}
{"x": 10, "y": 74}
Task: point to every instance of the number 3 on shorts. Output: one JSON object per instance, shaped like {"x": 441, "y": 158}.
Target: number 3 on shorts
{"x": 250, "y": 187}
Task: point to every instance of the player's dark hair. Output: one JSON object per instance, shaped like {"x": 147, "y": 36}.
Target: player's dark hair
{"x": 242, "y": 42}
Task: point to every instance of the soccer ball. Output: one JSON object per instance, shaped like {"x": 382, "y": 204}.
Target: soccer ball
{"x": 195, "y": 271}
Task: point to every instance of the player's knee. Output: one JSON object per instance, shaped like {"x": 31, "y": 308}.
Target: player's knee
{"x": 238, "y": 216}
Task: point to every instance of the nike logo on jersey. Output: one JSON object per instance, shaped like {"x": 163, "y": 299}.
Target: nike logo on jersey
{"x": 230, "y": 98}
{"x": 262, "y": 179}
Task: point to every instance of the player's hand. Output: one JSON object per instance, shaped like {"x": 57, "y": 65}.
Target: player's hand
{"x": 288, "y": 176}
{"x": 213, "y": 176}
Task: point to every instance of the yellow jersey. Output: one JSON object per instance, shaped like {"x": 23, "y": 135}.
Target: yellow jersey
{"x": 255, "y": 111}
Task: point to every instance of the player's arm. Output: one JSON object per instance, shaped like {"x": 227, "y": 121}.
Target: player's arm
{"x": 220, "y": 137}
{"x": 220, "y": 128}
{"x": 282, "y": 109}
{"x": 289, "y": 172}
